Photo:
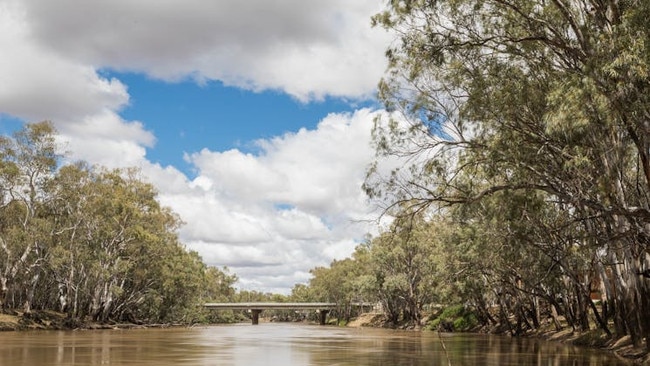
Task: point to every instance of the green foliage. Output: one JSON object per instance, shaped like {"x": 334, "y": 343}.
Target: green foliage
{"x": 345, "y": 282}
{"x": 454, "y": 318}
{"x": 218, "y": 286}
{"x": 91, "y": 242}
{"x": 405, "y": 268}
{"x": 525, "y": 123}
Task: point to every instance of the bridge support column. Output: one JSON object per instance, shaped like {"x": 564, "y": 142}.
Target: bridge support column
{"x": 256, "y": 316}
{"x": 323, "y": 315}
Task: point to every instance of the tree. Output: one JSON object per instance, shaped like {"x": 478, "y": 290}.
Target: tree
{"x": 405, "y": 269}
{"x": 530, "y": 96}
{"x": 115, "y": 253}
{"x": 345, "y": 282}
{"x": 219, "y": 284}
{"x": 92, "y": 242}
{"x": 27, "y": 161}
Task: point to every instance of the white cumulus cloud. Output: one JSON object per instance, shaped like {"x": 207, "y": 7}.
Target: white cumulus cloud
{"x": 308, "y": 49}
{"x": 294, "y": 205}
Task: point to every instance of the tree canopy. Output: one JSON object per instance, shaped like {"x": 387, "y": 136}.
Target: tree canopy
{"x": 91, "y": 242}
{"x": 526, "y": 124}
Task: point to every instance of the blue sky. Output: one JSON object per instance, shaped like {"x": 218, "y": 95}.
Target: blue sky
{"x": 9, "y": 124}
{"x": 187, "y": 116}
{"x": 252, "y": 119}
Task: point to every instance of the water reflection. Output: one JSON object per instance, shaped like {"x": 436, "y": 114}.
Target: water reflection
{"x": 283, "y": 344}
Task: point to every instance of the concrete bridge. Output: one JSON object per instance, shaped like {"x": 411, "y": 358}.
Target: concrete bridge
{"x": 323, "y": 308}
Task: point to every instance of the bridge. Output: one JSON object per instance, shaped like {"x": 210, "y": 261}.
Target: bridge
{"x": 323, "y": 308}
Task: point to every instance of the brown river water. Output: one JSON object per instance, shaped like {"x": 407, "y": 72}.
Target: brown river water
{"x": 283, "y": 345}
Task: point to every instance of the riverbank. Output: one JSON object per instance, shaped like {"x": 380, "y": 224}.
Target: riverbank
{"x": 622, "y": 348}
{"x": 13, "y": 320}
{"x": 52, "y": 320}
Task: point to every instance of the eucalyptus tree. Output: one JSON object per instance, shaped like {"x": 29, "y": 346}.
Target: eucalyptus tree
{"x": 302, "y": 293}
{"x": 516, "y": 252}
{"x": 70, "y": 259}
{"x": 115, "y": 252}
{"x": 403, "y": 261}
{"x": 27, "y": 160}
{"x": 344, "y": 282}
{"x": 92, "y": 242}
{"x": 219, "y": 284}
{"x": 530, "y": 95}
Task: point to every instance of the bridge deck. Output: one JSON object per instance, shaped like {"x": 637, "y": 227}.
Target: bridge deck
{"x": 271, "y": 305}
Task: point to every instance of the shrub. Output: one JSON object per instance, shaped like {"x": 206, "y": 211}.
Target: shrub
{"x": 454, "y": 318}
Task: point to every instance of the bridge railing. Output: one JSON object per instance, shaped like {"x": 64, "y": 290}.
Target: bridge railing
{"x": 270, "y": 305}
{"x": 257, "y": 307}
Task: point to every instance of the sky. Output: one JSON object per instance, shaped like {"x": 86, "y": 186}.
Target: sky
{"x": 252, "y": 119}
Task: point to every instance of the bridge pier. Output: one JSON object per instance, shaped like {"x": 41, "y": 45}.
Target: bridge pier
{"x": 256, "y": 316}
{"x": 323, "y": 316}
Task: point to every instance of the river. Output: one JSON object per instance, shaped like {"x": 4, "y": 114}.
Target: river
{"x": 283, "y": 344}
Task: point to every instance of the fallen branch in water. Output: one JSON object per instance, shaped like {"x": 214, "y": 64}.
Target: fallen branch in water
{"x": 444, "y": 348}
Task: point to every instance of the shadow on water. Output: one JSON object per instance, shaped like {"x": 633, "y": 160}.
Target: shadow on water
{"x": 284, "y": 344}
